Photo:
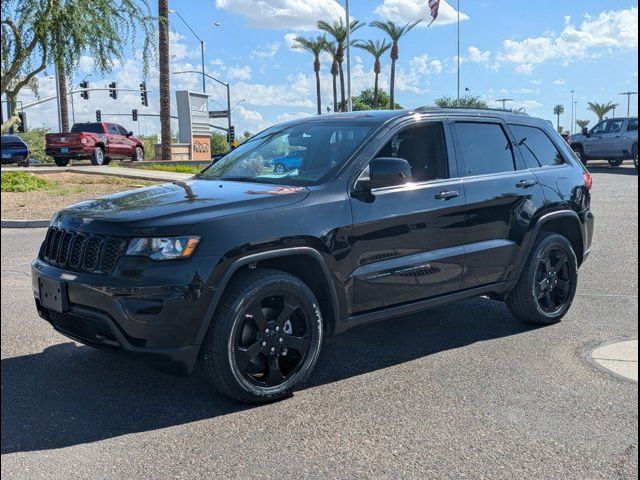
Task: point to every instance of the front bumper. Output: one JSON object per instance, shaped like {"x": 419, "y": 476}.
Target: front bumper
{"x": 158, "y": 323}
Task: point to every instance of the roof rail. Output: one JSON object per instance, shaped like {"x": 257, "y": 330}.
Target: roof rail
{"x": 475, "y": 109}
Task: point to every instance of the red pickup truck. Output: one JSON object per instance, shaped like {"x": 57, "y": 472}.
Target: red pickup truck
{"x": 100, "y": 142}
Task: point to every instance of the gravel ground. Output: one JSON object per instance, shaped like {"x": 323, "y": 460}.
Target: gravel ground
{"x": 71, "y": 188}
{"x": 462, "y": 391}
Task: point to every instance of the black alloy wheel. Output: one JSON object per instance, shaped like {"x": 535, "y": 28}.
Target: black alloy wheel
{"x": 553, "y": 280}
{"x": 265, "y": 337}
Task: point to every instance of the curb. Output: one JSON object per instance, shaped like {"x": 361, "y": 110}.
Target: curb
{"x": 24, "y": 223}
{"x": 588, "y": 350}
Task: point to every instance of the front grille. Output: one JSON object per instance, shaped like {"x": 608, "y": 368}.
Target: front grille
{"x": 85, "y": 329}
{"x": 81, "y": 252}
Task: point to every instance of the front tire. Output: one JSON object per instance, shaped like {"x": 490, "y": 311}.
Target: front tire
{"x": 547, "y": 286}
{"x": 138, "y": 155}
{"x": 61, "y": 161}
{"x": 615, "y": 162}
{"x": 579, "y": 151}
{"x": 265, "y": 337}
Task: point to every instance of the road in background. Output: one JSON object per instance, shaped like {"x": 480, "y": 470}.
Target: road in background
{"x": 461, "y": 390}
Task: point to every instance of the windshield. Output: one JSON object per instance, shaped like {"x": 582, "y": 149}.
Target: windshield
{"x": 302, "y": 154}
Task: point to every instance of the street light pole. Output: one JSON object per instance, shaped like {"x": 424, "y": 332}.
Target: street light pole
{"x": 459, "y": 53}
{"x": 572, "y": 111}
{"x": 628, "y": 94}
{"x": 349, "y": 100}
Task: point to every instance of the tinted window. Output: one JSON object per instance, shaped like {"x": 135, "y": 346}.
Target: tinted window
{"x": 122, "y": 130}
{"x": 424, "y": 148}
{"x": 615, "y": 126}
{"x": 305, "y": 153}
{"x": 633, "y": 125}
{"x": 600, "y": 128}
{"x": 484, "y": 148}
{"x": 537, "y": 148}
{"x": 87, "y": 127}
{"x": 113, "y": 129}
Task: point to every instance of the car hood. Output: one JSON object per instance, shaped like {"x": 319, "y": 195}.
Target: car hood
{"x": 174, "y": 207}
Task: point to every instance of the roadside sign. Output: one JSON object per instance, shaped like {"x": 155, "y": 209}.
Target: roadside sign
{"x": 219, "y": 114}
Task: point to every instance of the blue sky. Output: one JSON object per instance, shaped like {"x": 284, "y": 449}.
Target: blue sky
{"x": 533, "y": 52}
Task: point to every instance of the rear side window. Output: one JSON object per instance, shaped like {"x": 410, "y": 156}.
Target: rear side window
{"x": 485, "y": 148}
{"x": 633, "y": 125}
{"x": 87, "y": 127}
{"x": 537, "y": 148}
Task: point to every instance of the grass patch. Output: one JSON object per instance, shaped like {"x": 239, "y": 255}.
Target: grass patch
{"x": 24, "y": 182}
{"x": 173, "y": 168}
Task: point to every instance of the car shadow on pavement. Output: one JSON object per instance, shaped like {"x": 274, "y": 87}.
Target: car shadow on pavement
{"x": 69, "y": 395}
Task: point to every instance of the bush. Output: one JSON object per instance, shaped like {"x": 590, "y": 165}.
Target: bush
{"x": 149, "y": 144}
{"x": 174, "y": 168}
{"x": 35, "y": 140}
{"x": 24, "y": 182}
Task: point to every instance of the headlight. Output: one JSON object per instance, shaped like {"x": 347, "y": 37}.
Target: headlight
{"x": 169, "y": 248}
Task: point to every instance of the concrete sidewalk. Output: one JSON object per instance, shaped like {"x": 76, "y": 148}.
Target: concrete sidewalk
{"x": 135, "y": 173}
{"x": 621, "y": 358}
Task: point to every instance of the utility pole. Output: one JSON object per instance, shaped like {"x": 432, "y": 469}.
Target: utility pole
{"x": 504, "y": 102}
{"x": 459, "y": 53}
{"x": 628, "y": 94}
{"x": 349, "y": 100}
{"x": 572, "y": 111}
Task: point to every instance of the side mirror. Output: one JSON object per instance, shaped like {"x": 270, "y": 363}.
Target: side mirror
{"x": 386, "y": 172}
{"x": 585, "y": 131}
{"x": 129, "y": 134}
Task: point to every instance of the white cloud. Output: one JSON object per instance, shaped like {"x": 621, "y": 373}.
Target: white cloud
{"x": 424, "y": 65}
{"x": 478, "y": 56}
{"x": 285, "y": 117}
{"x": 290, "y": 14}
{"x": 559, "y": 82}
{"x": 268, "y": 50}
{"x": 611, "y": 29}
{"x": 412, "y": 10}
{"x": 239, "y": 73}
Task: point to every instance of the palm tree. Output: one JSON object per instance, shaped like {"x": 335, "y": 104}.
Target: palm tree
{"x": 377, "y": 49}
{"x": 332, "y": 49}
{"x": 557, "y": 111}
{"x": 316, "y": 47}
{"x": 601, "y": 109}
{"x": 338, "y": 31}
{"x": 395, "y": 33}
{"x": 583, "y": 124}
{"x": 164, "y": 81}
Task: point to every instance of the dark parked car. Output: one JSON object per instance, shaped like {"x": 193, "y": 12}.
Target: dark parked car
{"x": 14, "y": 150}
{"x": 614, "y": 140}
{"x": 389, "y": 213}
{"x": 99, "y": 142}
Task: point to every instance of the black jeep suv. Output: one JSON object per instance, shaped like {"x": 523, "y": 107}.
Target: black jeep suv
{"x": 388, "y": 213}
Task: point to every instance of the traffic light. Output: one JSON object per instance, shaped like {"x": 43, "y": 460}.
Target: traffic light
{"x": 98, "y": 116}
{"x": 113, "y": 90}
{"x": 231, "y": 134}
{"x": 23, "y": 122}
{"x": 134, "y": 115}
{"x": 143, "y": 94}
{"x": 84, "y": 94}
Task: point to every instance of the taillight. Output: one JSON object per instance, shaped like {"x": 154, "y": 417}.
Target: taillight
{"x": 588, "y": 180}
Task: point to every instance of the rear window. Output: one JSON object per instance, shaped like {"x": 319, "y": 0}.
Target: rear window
{"x": 485, "y": 148}
{"x": 633, "y": 125}
{"x": 537, "y": 148}
{"x": 87, "y": 127}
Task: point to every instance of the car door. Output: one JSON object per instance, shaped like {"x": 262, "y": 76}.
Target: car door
{"x": 502, "y": 196}
{"x": 592, "y": 144}
{"x": 128, "y": 145}
{"x": 612, "y": 143}
{"x": 115, "y": 147}
{"x": 407, "y": 241}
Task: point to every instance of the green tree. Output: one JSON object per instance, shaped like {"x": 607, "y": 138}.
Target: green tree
{"x": 338, "y": 30}
{"x": 583, "y": 124}
{"x": 219, "y": 144}
{"x": 558, "y": 110}
{"x": 396, "y": 33}
{"x": 376, "y": 49}
{"x": 469, "y": 101}
{"x": 316, "y": 47}
{"x": 601, "y": 109}
{"x": 38, "y": 33}
{"x": 366, "y": 101}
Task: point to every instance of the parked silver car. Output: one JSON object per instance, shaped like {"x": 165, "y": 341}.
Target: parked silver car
{"x": 614, "y": 140}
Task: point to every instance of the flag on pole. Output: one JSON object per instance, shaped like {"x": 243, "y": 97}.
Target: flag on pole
{"x": 434, "y": 6}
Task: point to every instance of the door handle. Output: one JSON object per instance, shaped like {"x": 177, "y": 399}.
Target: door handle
{"x": 447, "y": 195}
{"x": 526, "y": 183}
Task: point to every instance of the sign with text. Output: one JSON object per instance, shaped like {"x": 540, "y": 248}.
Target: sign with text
{"x": 219, "y": 114}
{"x": 193, "y": 122}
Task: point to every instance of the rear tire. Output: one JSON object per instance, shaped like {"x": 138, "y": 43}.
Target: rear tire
{"x": 265, "y": 337}
{"x": 98, "y": 158}
{"x": 138, "y": 155}
{"x": 634, "y": 155}
{"x": 61, "y": 161}
{"x": 615, "y": 162}
{"x": 547, "y": 286}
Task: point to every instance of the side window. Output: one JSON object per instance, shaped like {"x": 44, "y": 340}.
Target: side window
{"x": 615, "y": 126}
{"x": 122, "y": 130}
{"x": 112, "y": 129}
{"x": 537, "y": 148}
{"x": 600, "y": 128}
{"x": 424, "y": 147}
{"x": 485, "y": 148}
{"x": 633, "y": 125}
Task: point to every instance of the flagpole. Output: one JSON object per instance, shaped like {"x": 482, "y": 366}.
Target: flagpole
{"x": 458, "y": 52}
{"x": 349, "y": 101}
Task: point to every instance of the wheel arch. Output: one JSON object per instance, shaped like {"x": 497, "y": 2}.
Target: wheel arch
{"x": 304, "y": 262}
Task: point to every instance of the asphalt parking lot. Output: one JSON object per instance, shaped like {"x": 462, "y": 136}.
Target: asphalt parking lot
{"x": 463, "y": 391}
